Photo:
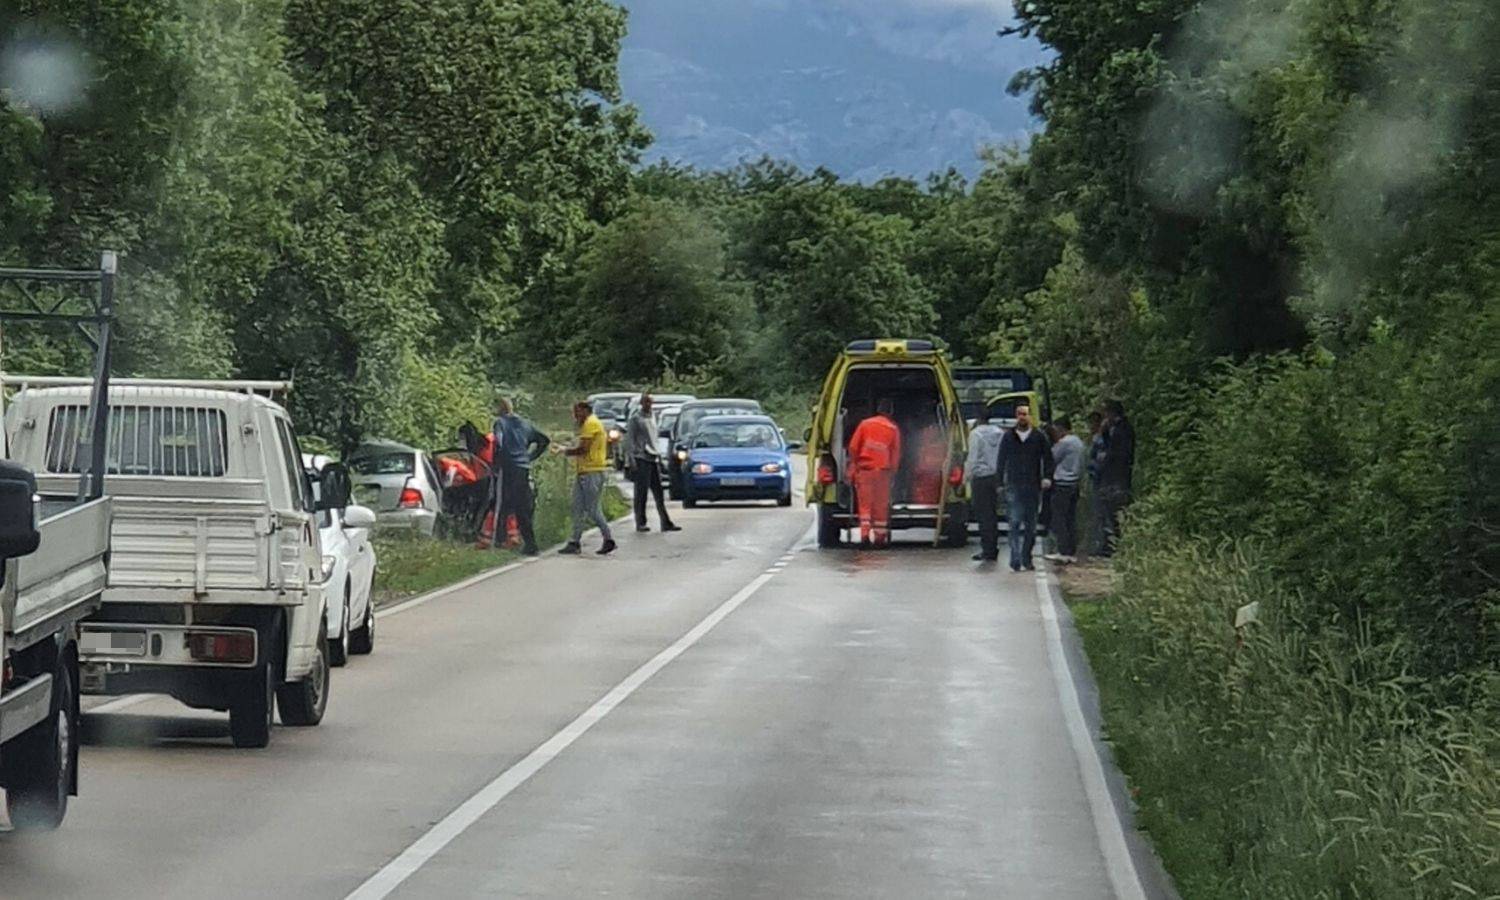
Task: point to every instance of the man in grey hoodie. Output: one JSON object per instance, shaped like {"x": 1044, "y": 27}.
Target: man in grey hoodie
{"x": 1067, "y": 471}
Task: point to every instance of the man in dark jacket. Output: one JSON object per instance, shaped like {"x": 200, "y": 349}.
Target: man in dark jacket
{"x": 518, "y": 444}
{"x": 1026, "y": 467}
{"x": 1116, "y": 470}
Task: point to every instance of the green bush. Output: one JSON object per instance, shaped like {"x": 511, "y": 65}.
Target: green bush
{"x": 1298, "y": 764}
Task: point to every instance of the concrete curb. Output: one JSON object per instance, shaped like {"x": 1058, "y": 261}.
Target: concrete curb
{"x": 1150, "y": 871}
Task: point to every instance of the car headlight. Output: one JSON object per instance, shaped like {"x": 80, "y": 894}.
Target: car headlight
{"x": 682, "y": 455}
{"x": 702, "y": 468}
{"x": 615, "y": 433}
{"x": 328, "y": 564}
{"x": 771, "y": 468}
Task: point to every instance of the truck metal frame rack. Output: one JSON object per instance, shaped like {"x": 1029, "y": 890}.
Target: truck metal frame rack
{"x": 56, "y": 555}
{"x": 93, "y": 291}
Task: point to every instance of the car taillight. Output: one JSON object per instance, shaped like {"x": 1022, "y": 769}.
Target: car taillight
{"x": 207, "y": 646}
{"x": 956, "y": 476}
{"x": 825, "y": 472}
{"x": 411, "y": 498}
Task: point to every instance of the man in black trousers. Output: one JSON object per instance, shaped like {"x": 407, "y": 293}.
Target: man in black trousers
{"x": 642, "y": 456}
{"x": 518, "y": 443}
{"x": 1026, "y": 466}
{"x": 984, "y": 483}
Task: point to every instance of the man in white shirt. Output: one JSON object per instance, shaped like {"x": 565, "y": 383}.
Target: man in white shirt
{"x": 982, "y": 469}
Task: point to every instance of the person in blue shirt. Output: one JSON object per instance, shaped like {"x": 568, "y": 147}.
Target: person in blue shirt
{"x": 518, "y": 444}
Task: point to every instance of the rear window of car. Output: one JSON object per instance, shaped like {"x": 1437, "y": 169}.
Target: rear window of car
{"x": 611, "y": 408}
{"x": 384, "y": 464}
{"x": 162, "y": 441}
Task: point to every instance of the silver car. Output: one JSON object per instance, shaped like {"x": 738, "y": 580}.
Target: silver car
{"x": 399, "y": 482}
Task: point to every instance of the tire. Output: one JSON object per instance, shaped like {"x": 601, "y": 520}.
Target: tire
{"x": 42, "y": 766}
{"x": 362, "y": 639}
{"x": 828, "y": 528}
{"x": 250, "y": 712}
{"x": 956, "y": 528}
{"x": 674, "y": 490}
{"x": 302, "y": 702}
{"x": 690, "y": 503}
{"x": 784, "y": 499}
{"x": 338, "y": 648}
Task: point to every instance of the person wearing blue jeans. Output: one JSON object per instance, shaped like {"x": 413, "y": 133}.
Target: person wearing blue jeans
{"x": 1026, "y": 467}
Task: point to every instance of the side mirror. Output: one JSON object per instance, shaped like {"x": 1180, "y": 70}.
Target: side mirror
{"x": 807, "y": 434}
{"x": 665, "y": 432}
{"x": 795, "y": 446}
{"x": 18, "y": 534}
{"x": 334, "y": 487}
{"x": 356, "y": 516}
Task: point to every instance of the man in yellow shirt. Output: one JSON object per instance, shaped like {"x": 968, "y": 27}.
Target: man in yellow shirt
{"x": 591, "y": 454}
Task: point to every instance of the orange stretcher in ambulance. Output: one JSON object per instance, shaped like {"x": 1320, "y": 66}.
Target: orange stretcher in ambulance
{"x": 927, "y": 490}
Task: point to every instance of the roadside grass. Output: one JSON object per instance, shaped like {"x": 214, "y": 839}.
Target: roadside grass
{"x": 1290, "y": 761}
{"x": 410, "y": 564}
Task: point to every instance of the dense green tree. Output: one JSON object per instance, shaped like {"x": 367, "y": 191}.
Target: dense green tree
{"x": 507, "y": 113}
{"x": 650, "y": 297}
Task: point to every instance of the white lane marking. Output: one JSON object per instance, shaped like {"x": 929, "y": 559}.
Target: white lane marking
{"x": 404, "y": 605}
{"x": 383, "y": 882}
{"x": 120, "y": 703}
{"x": 1108, "y": 823}
{"x": 486, "y": 575}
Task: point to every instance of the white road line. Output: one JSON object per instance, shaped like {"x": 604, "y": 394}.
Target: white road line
{"x": 404, "y": 605}
{"x": 486, "y": 575}
{"x": 121, "y": 703}
{"x": 383, "y": 882}
{"x": 1108, "y": 824}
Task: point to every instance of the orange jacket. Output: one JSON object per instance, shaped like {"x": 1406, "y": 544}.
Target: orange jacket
{"x": 876, "y": 446}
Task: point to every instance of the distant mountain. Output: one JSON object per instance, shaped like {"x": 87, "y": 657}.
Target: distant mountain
{"x": 866, "y": 88}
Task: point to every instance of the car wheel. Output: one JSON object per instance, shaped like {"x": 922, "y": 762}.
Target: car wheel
{"x": 250, "y": 710}
{"x": 362, "y": 639}
{"x": 42, "y": 764}
{"x": 338, "y": 648}
{"x": 303, "y": 702}
{"x": 785, "y": 499}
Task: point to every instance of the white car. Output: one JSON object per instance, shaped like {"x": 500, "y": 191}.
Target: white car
{"x": 349, "y": 567}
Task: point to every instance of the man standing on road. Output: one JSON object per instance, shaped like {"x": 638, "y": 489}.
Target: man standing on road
{"x": 983, "y": 470}
{"x": 1026, "y": 465}
{"x": 1116, "y": 471}
{"x": 642, "y": 457}
{"x": 1067, "y": 470}
{"x": 518, "y": 444}
{"x": 874, "y": 457}
{"x": 592, "y": 455}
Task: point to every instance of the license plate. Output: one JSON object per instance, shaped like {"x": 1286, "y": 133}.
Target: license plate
{"x": 127, "y": 643}
{"x": 737, "y": 482}
{"x": 367, "y": 494}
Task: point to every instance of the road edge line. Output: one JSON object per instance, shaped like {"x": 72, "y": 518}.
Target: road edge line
{"x": 1109, "y": 823}
{"x": 401, "y": 606}
{"x": 423, "y": 849}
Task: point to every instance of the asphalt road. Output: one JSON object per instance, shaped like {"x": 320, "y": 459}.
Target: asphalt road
{"x": 723, "y": 712}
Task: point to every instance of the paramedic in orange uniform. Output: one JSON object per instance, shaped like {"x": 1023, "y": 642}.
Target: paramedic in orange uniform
{"x": 874, "y": 457}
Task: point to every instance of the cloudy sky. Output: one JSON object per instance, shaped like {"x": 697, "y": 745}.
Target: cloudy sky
{"x": 864, "y": 87}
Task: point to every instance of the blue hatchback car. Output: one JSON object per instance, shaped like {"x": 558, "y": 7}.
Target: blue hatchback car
{"x": 737, "y": 457}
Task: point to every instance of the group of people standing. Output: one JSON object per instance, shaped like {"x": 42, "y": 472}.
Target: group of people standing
{"x": 518, "y": 444}
{"x": 1026, "y": 464}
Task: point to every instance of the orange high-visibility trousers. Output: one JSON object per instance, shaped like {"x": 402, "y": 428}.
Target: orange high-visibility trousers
{"x": 872, "y": 500}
